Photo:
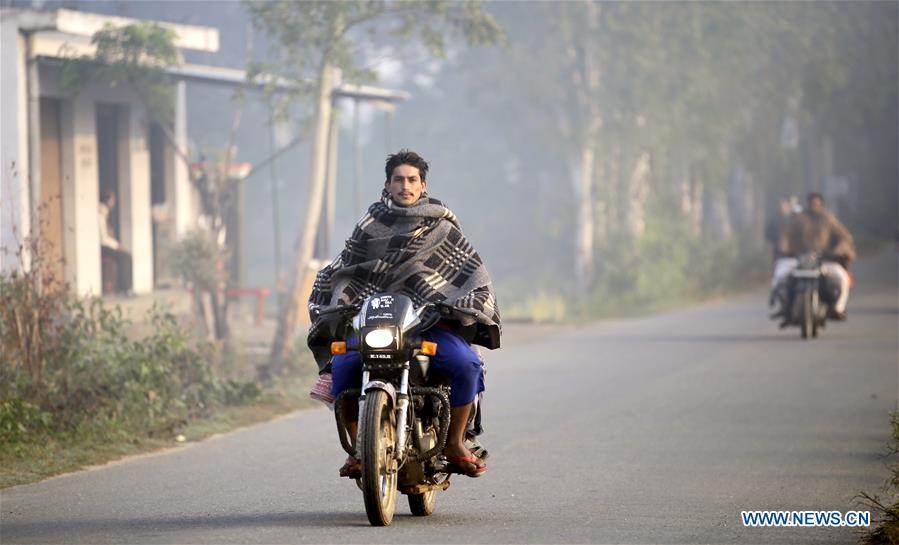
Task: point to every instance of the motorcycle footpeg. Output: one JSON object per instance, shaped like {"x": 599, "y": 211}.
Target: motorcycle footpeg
{"x": 440, "y": 464}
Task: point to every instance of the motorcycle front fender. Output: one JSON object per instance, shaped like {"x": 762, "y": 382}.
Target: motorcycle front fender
{"x": 381, "y": 385}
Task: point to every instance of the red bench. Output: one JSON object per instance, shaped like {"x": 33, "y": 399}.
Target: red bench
{"x": 259, "y": 293}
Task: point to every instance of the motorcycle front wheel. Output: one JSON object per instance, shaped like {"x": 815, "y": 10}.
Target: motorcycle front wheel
{"x": 377, "y": 436}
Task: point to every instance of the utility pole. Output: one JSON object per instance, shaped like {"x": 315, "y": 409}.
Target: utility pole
{"x": 331, "y": 194}
{"x": 329, "y": 90}
{"x": 276, "y": 213}
{"x": 289, "y": 315}
{"x": 357, "y": 162}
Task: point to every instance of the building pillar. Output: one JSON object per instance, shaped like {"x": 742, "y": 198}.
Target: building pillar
{"x": 134, "y": 191}
{"x": 15, "y": 214}
{"x": 81, "y": 195}
{"x": 182, "y": 201}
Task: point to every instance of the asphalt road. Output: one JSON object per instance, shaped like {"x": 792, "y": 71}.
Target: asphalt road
{"x": 651, "y": 430}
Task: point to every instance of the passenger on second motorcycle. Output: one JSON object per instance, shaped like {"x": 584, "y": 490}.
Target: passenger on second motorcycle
{"x": 814, "y": 230}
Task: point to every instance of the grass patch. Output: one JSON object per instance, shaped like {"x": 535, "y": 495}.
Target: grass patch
{"x": 647, "y": 285}
{"x": 25, "y": 463}
{"x": 78, "y": 387}
{"x": 47, "y": 454}
{"x": 885, "y": 530}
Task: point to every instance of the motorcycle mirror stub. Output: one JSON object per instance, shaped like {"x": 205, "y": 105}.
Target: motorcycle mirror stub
{"x": 428, "y": 348}
{"x": 338, "y": 347}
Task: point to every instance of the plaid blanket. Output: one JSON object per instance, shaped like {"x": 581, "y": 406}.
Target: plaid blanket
{"x": 418, "y": 251}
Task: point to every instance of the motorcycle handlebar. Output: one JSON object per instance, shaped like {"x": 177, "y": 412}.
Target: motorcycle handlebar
{"x": 443, "y": 308}
{"x": 446, "y": 309}
{"x": 337, "y": 309}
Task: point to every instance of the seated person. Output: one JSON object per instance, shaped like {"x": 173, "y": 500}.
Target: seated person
{"x": 110, "y": 247}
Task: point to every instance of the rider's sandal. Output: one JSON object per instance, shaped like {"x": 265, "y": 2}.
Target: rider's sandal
{"x": 455, "y": 465}
{"x": 475, "y": 447}
{"x": 479, "y": 451}
{"x": 352, "y": 468}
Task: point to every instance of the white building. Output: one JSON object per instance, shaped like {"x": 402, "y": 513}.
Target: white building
{"x": 59, "y": 152}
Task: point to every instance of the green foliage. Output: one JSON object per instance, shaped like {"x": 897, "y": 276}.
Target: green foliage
{"x": 886, "y": 529}
{"x": 94, "y": 376}
{"x": 20, "y": 420}
{"x": 667, "y": 266}
{"x": 704, "y": 88}
{"x": 32, "y": 300}
{"x": 135, "y": 55}
{"x": 542, "y": 307}
{"x": 197, "y": 259}
{"x": 309, "y": 35}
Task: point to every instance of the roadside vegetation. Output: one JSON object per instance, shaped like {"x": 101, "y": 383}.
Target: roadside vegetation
{"x": 644, "y": 164}
{"x": 886, "y": 508}
{"x": 78, "y": 386}
{"x": 663, "y": 268}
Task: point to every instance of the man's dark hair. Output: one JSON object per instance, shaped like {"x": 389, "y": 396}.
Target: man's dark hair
{"x": 813, "y": 195}
{"x": 104, "y": 197}
{"x": 406, "y": 157}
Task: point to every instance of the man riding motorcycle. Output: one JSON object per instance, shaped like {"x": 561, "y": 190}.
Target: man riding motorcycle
{"x": 815, "y": 230}
{"x": 412, "y": 244}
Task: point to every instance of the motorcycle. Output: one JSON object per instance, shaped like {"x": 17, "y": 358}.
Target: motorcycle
{"x": 805, "y": 288}
{"x": 404, "y": 411}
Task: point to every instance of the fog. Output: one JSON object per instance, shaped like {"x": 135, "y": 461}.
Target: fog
{"x": 706, "y": 114}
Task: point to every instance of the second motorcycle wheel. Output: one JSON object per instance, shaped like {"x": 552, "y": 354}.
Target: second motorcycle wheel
{"x": 808, "y": 319}
{"x": 423, "y": 505}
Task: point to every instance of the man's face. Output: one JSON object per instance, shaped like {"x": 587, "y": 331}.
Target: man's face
{"x": 816, "y": 205}
{"x": 785, "y": 207}
{"x": 405, "y": 185}
{"x": 110, "y": 202}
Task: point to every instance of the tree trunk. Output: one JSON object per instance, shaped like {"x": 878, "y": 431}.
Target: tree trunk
{"x": 288, "y": 318}
{"x": 219, "y": 315}
{"x": 638, "y": 191}
{"x": 696, "y": 203}
{"x": 613, "y": 189}
{"x": 583, "y": 189}
{"x": 331, "y": 189}
{"x": 718, "y": 221}
{"x": 585, "y": 80}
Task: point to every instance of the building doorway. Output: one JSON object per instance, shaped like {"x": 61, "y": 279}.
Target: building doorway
{"x": 51, "y": 223}
{"x": 108, "y": 171}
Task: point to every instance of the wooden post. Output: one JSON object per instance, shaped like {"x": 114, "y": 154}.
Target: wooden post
{"x": 276, "y": 212}
{"x": 357, "y": 162}
{"x": 331, "y": 194}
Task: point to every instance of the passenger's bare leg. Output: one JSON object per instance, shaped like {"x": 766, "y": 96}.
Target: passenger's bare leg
{"x": 351, "y": 417}
{"x": 350, "y": 408}
{"x": 455, "y": 442}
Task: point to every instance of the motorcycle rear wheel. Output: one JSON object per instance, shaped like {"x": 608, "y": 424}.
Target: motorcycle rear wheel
{"x": 805, "y": 328}
{"x": 423, "y": 505}
{"x": 377, "y": 437}
{"x": 816, "y": 306}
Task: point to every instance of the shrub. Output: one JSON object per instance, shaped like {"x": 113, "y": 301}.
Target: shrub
{"x": 20, "y": 420}
{"x": 73, "y": 359}
{"x": 886, "y": 531}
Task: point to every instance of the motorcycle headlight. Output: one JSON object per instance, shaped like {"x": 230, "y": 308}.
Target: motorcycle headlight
{"x": 379, "y": 338}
